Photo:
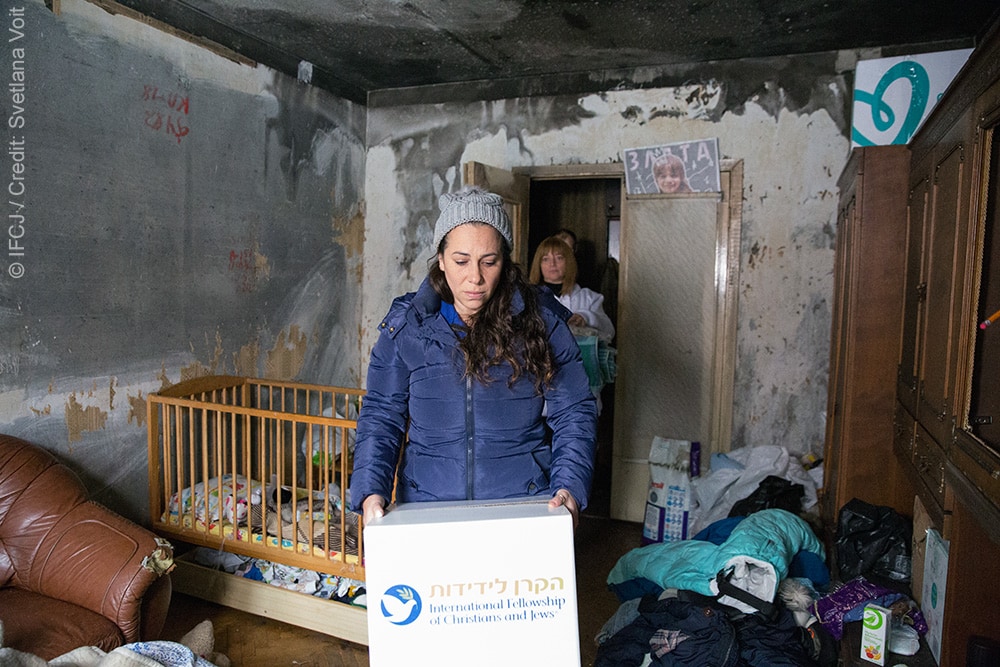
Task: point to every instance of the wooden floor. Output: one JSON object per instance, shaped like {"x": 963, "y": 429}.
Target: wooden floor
{"x": 253, "y": 641}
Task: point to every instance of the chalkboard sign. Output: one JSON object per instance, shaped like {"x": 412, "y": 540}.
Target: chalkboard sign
{"x": 684, "y": 166}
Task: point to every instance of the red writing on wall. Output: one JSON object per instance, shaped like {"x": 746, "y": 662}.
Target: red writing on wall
{"x": 243, "y": 263}
{"x": 166, "y": 111}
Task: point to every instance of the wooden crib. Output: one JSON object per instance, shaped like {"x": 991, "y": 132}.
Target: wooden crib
{"x": 259, "y": 468}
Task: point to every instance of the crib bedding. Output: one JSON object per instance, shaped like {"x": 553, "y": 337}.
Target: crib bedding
{"x": 222, "y": 498}
{"x": 233, "y": 507}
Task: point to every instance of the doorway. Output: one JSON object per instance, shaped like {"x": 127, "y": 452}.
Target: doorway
{"x": 589, "y": 207}
{"x": 693, "y": 354}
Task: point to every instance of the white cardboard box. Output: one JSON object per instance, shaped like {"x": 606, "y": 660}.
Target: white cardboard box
{"x": 460, "y": 583}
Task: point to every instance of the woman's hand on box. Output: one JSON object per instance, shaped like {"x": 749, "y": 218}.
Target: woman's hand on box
{"x": 564, "y": 498}
{"x": 373, "y": 508}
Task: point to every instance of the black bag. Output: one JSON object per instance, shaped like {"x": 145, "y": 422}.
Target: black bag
{"x": 874, "y": 541}
{"x": 773, "y": 491}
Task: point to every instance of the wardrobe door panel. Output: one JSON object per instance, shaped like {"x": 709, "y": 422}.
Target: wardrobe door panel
{"x": 945, "y": 283}
{"x": 864, "y": 349}
{"x": 914, "y": 290}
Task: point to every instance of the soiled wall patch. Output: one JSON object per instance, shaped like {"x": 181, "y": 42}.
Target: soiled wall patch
{"x": 80, "y": 418}
{"x": 284, "y": 360}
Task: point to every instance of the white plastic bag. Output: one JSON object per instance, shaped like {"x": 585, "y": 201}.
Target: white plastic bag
{"x": 716, "y": 493}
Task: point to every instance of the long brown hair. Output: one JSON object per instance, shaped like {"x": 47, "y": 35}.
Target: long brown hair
{"x": 499, "y": 335}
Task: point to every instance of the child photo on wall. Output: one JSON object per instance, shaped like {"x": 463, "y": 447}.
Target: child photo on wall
{"x": 685, "y": 166}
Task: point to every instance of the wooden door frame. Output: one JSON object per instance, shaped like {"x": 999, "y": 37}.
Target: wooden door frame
{"x": 727, "y": 285}
{"x": 727, "y": 263}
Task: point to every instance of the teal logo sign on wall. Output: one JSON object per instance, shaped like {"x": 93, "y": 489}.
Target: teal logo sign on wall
{"x": 401, "y": 605}
{"x": 893, "y": 96}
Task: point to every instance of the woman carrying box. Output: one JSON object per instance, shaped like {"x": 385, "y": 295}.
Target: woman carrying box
{"x": 470, "y": 369}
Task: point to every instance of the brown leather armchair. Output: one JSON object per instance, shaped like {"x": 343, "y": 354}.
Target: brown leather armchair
{"x": 72, "y": 573}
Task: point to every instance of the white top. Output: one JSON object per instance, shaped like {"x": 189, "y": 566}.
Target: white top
{"x": 590, "y": 305}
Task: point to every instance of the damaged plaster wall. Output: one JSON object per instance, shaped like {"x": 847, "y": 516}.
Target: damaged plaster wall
{"x": 182, "y": 214}
{"x": 785, "y": 118}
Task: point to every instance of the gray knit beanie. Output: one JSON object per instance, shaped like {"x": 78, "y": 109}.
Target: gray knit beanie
{"x": 472, "y": 204}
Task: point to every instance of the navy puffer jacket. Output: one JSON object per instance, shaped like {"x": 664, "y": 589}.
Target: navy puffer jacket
{"x": 468, "y": 440}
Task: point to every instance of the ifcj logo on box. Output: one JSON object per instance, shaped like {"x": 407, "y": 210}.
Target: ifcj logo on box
{"x": 401, "y": 605}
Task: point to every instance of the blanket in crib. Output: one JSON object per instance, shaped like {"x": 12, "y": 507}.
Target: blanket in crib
{"x": 232, "y": 506}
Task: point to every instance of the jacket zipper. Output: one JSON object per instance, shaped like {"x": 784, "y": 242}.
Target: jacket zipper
{"x": 469, "y": 439}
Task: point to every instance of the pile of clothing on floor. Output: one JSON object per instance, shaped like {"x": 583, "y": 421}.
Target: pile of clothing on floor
{"x": 751, "y": 588}
{"x": 195, "y": 649}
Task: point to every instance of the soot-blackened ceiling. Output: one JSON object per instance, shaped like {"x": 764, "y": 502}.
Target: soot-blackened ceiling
{"x": 378, "y": 51}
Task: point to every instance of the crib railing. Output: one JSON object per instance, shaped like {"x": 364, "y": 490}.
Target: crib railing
{"x": 259, "y": 468}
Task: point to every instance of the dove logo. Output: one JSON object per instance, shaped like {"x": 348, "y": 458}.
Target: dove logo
{"x": 401, "y": 605}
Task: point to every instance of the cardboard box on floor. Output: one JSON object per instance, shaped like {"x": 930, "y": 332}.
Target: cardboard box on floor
{"x": 460, "y": 583}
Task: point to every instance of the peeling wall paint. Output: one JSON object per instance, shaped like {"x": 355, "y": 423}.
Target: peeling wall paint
{"x": 80, "y": 418}
{"x": 350, "y": 233}
{"x": 137, "y": 409}
{"x": 284, "y": 360}
{"x": 785, "y": 119}
{"x": 243, "y": 239}
{"x": 184, "y": 216}
{"x": 245, "y": 361}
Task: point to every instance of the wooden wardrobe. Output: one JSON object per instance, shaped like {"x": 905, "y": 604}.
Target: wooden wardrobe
{"x": 923, "y": 364}
{"x": 864, "y": 347}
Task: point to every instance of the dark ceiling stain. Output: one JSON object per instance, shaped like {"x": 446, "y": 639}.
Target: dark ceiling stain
{"x": 296, "y": 125}
{"x": 800, "y": 85}
{"x": 578, "y": 21}
{"x": 632, "y": 113}
{"x": 376, "y": 52}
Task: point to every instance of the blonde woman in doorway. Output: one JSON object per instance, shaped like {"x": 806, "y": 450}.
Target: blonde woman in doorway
{"x": 554, "y": 266}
